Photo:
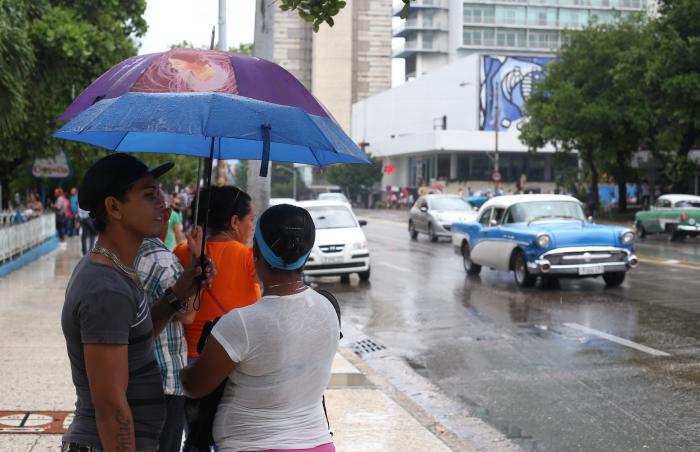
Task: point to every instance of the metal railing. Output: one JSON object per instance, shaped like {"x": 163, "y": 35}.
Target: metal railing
{"x": 18, "y": 238}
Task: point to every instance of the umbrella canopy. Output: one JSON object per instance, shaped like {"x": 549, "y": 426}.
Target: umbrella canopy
{"x": 196, "y": 70}
{"x": 191, "y": 123}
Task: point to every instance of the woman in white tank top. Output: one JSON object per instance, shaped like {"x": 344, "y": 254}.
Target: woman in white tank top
{"x": 277, "y": 353}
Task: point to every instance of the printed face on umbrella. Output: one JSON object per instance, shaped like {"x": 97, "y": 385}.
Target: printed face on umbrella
{"x": 188, "y": 70}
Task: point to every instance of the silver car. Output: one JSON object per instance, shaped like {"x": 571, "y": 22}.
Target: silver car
{"x": 434, "y": 214}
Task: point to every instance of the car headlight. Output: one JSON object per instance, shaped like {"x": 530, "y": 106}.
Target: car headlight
{"x": 692, "y": 222}
{"x": 543, "y": 240}
{"x": 628, "y": 237}
{"x": 361, "y": 245}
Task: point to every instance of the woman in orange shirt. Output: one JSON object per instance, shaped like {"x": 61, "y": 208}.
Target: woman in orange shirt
{"x": 231, "y": 222}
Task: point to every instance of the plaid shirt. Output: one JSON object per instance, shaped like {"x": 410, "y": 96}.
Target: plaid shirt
{"x": 158, "y": 269}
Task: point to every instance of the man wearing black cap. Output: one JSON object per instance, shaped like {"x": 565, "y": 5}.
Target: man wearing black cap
{"x": 106, "y": 321}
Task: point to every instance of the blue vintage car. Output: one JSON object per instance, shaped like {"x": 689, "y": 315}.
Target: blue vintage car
{"x": 543, "y": 235}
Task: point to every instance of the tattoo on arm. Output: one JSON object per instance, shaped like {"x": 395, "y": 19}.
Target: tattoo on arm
{"x": 124, "y": 433}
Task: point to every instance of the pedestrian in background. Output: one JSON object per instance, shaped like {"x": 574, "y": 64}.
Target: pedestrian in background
{"x": 88, "y": 233}
{"x": 231, "y": 222}
{"x": 59, "y": 206}
{"x": 159, "y": 269}
{"x": 73, "y": 217}
{"x": 176, "y": 233}
{"x": 275, "y": 355}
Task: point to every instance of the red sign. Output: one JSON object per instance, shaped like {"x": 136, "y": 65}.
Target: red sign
{"x": 496, "y": 176}
{"x": 389, "y": 169}
{"x": 57, "y": 167}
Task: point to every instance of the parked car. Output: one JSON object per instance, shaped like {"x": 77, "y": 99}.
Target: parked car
{"x": 543, "y": 235}
{"x": 480, "y": 197}
{"x": 277, "y": 201}
{"x": 334, "y": 197}
{"x": 676, "y": 215}
{"x": 341, "y": 246}
{"x": 434, "y": 214}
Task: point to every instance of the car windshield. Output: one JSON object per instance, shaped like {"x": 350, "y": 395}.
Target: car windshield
{"x": 332, "y": 217}
{"x": 688, "y": 203}
{"x": 333, "y": 197}
{"x": 542, "y": 210}
{"x": 449, "y": 204}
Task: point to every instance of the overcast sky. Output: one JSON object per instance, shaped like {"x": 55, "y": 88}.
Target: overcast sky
{"x": 172, "y": 21}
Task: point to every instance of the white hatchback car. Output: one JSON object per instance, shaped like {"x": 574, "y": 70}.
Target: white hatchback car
{"x": 341, "y": 246}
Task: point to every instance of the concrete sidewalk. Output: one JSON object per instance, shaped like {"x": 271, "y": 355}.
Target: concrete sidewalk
{"x": 365, "y": 414}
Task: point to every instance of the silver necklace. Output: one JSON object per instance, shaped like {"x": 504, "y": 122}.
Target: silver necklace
{"x": 130, "y": 272}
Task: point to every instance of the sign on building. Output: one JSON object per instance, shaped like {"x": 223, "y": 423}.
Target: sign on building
{"x": 57, "y": 167}
{"x": 507, "y": 81}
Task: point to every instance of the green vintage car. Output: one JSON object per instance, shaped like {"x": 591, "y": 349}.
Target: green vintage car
{"x": 676, "y": 215}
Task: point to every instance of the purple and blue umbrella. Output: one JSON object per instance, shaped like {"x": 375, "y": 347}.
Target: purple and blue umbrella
{"x": 207, "y": 103}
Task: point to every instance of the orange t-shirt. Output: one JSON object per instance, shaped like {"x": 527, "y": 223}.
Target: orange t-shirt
{"x": 234, "y": 285}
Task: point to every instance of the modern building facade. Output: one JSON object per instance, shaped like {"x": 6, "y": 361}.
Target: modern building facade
{"x": 438, "y": 32}
{"x": 441, "y": 128}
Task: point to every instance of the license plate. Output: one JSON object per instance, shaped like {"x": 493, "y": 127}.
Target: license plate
{"x": 593, "y": 270}
{"x": 333, "y": 260}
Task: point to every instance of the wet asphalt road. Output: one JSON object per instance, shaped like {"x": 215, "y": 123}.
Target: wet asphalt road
{"x": 536, "y": 364}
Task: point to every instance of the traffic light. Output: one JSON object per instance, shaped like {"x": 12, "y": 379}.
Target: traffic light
{"x": 363, "y": 145}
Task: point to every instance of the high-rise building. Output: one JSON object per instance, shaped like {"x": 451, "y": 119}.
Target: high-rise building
{"x": 437, "y": 32}
{"x": 340, "y": 65}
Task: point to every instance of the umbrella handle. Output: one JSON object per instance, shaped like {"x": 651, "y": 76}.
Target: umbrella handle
{"x": 207, "y": 201}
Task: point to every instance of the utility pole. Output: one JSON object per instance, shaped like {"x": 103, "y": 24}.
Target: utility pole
{"x": 497, "y": 123}
{"x": 221, "y": 165}
{"x": 259, "y": 187}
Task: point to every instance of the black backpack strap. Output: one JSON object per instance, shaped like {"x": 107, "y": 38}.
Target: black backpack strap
{"x": 334, "y": 301}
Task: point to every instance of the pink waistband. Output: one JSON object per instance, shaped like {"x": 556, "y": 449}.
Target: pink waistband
{"x": 329, "y": 447}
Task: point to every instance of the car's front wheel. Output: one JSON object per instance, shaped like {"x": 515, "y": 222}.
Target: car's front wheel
{"x": 470, "y": 267}
{"x": 641, "y": 232}
{"x": 431, "y": 233}
{"x": 364, "y": 276}
{"x": 614, "y": 279}
{"x": 412, "y": 230}
{"x": 522, "y": 276}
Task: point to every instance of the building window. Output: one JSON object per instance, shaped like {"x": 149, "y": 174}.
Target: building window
{"x": 543, "y": 17}
{"x": 427, "y": 40}
{"x": 573, "y": 18}
{"x": 478, "y": 14}
{"x": 477, "y": 37}
{"x": 510, "y": 38}
{"x": 427, "y": 18}
{"x": 509, "y": 15}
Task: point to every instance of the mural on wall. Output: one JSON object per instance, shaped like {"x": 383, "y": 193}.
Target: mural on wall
{"x": 515, "y": 77}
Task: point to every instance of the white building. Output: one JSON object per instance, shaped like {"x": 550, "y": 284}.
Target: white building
{"x": 439, "y": 127}
{"x": 438, "y": 32}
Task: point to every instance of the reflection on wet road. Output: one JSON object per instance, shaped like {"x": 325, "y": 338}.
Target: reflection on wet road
{"x": 573, "y": 367}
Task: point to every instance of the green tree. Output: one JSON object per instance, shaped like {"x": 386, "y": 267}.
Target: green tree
{"x": 320, "y": 11}
{"x": 590, "y": 101}
{"x": 356, "y": 179}
{"x": 65, "y": 45}
{"x": 673, "y": 83}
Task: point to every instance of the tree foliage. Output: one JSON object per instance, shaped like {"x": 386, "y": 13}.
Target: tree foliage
{"x": 355, "y": 179}
{"x": 320, "y": 11}
{"x": 49, "y": 52}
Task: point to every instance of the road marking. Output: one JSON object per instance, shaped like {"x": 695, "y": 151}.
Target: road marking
{"x": 395, "y": 267}
{"x": 616, "y": 339}
{"x": 669, "y": 262}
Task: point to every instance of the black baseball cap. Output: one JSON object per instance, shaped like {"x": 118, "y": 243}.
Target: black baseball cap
{"x": 112, "y": 175}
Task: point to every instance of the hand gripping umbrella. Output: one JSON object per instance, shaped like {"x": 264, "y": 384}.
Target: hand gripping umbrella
{"x": 207, "y": 103}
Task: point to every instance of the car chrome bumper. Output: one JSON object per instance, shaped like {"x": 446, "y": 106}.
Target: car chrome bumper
{"x": 688, "y": 228}
{"x": 543, "y": 265}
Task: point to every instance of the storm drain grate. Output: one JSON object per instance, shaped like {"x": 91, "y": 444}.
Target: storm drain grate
{"x": 364, "y": 346}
